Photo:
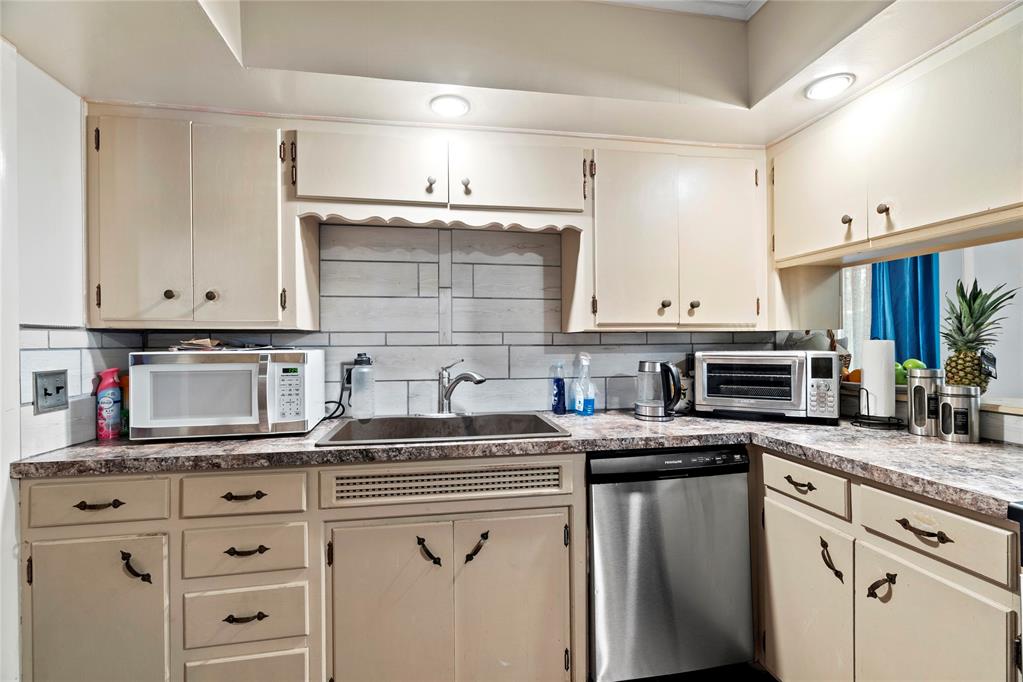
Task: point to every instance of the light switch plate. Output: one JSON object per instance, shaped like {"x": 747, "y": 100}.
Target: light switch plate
{"x": 49, "y": 390}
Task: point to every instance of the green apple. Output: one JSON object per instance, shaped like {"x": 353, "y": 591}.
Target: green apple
{"x": 913, "y": 363}
{"x": 901, "y": 375}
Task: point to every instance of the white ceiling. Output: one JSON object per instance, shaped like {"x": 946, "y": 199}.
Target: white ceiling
{"x": 169, "y": 53}
{"x": 729, "y": 9}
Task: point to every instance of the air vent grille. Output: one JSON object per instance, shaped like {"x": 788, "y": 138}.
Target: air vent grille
{"x": 355, "y": 487}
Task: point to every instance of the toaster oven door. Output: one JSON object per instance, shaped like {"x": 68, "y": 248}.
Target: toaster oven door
{"x": 198, "y": 394}
{"x": 772, "y": 382}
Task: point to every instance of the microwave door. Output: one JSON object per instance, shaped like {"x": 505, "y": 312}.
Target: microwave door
{"x": 770, "y": 384}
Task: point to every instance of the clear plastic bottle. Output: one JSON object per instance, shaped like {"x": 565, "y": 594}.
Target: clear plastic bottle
{"x": 362, "y": 396}
{"x": 584, "y": 395}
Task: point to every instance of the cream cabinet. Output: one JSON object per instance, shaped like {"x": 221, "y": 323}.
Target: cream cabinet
{"x": 100, "y": 609}
{"x": 185, "y": 228}
{"x": 371, "y": 167}
{"x": 808, "y": 583}
{"x": 488, "y": 175}
{"x": 913, "y": 624}
{"x": 480, "y": 598}
{"x": 675, "y": 240}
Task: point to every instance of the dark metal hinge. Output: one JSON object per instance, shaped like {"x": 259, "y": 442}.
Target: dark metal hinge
{"x": 758, "y": 306}
{"x": 95, "y": 139}
{"x": 772, "y": 243}
{"x": 593, "y": 168}
{"x": 584, "y": 178}
{"x": 772, "y": 175}
{"x": 756, "y": 177}
{"x": 99, "y": 295}
{"x": 762, "y": 520}
{"x": 280, "y": 151}
{"x": 593, "y": 305}
{"x": 1017, "y": 650}
{"x": 568, "y": 660}
{"x": 568, "y": 535}
{"x": 28, "y": 570}
{"x": 294, "y": 174}
{"x": 330, "y": 553}
{"x": 294, "y": 151}
{"x": 284, "y": 299}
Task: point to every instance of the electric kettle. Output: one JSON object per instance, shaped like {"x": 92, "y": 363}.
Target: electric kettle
{"x": 659, "y": 390}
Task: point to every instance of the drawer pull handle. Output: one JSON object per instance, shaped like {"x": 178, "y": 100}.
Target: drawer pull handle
{"x": 826, "y": 556}
{"x": 232, "y": 497}
{"x": 234, "y": 551}
{"x": 144, "y": 577}
{"x": 888, "y": 579}
{"x": 939, "y": 535}
{"x": 241, "y": 620}
{"x": 85, "y": 506}
{"x": 426, "y": 550}
{"x": 808, "y": 486}
{"x": 484, "y": 536}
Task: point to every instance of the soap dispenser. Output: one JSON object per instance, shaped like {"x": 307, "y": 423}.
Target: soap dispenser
{"x": 362, "y": 398}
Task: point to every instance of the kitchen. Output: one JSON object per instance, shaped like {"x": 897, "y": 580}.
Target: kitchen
{"x": 611, "y": 341}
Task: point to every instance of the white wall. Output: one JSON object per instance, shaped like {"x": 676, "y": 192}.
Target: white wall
{"x": 50, "y": 201}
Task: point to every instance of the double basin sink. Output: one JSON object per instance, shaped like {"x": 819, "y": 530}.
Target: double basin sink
{"x": 440, "y": 428}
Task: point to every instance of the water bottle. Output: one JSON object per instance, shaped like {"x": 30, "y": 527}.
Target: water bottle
{"x": 558, "y": 388}
{"x": 584, "y": 395}
{"x": 362, "y": 396}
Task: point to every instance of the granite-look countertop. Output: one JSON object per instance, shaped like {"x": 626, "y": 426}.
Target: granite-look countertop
{"x": 984, "y": 477}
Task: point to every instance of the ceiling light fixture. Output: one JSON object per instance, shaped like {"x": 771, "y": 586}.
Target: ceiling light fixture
{"x": 449, "y": 106}
{"x": 829, "y": 86}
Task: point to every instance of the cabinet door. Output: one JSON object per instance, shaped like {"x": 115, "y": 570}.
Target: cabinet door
{"x": 512, "y": 597}
{"x": 819, "y": 181}
{"x": 718, "y": 227}
{"x": 635, "y": 236}
{"x": 923, "y": 627}
{"x": 145, "y": 219}
{"x": 92, "y": 619}
{"x": 372, "y": 167}
{"x": 808, "y": 607}
{"x": 950, "y": 143}
{"x": 392, "y": 604}
{"x": 235, "y": 224}
{"x": 512, "y": 176}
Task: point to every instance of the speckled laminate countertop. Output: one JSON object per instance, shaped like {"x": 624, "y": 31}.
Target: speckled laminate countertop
{"x": 985, "y": 477}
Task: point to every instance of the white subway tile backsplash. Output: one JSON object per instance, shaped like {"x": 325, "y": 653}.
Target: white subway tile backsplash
{"x": 409, "y": 363}
{"x": 712, "y": 337}
{"x": 363, "y": 278}
{"x": 52, "y": 430}
{"x": 621, "y": 393}
{"x": 351, "y": 242}
{"x": 491, "y": 396}
{"x": 413, "y": 339}
{"x": 623, "y": 337}
{"x": 74, "y": 338}
{"x": 508, "y": 248}
{"x": 389, "y": 397}
{"x": 378, "y": 314}
{"x": 96, "y": 360}
{"x": 444, "y": 257}
{"x": 300, "y": 339}
{"x": 505, "y": 314}
{"x": 516, "y": 281}
{"x": 40, "y": 360}
{"x": 536, "y": 361}
{"x": 357, "y": 339}
{"x": 576, "y": 339}
{"x": 477, "y": 338}
{"x": 33, "y": 338}
{"x": 461, "y": 280}
{"x": 528, "y": 338}
{"x": 444, "y": 315}
{"x": 428, "y": 279}
{"x": 669, "y": 337}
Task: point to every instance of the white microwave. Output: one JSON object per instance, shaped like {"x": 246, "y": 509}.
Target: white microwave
{"x": 205, "y": 394}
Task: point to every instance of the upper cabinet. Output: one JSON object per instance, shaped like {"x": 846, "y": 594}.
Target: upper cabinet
{"x": 377, "y": 168}
{"x": 185, "y": 228}
{"x": 487, "y": 175}
{"x": 676, "y": 240}
{"x": 938, "y": 151}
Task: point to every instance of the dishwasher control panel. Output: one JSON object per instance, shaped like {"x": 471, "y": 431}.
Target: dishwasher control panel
{"x": 667, "y": 463}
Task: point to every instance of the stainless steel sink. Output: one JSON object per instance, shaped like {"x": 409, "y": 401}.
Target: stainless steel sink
{"x": 440, "y": 428}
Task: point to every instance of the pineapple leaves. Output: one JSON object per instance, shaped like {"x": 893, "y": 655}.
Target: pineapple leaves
{"x": 970, "y": 323}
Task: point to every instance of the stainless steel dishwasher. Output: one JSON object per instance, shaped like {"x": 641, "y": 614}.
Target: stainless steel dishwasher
{"x": 670, "y": 584}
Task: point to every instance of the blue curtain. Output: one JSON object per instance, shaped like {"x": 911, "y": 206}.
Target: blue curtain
{"x": 905, "y": 307}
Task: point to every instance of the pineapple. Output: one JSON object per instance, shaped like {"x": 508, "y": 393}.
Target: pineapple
{"x": 970, "y": 326}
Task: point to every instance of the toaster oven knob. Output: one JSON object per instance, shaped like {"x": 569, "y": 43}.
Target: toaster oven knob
{"x": 694, "y": 304}
{"x": 211, "y": 295}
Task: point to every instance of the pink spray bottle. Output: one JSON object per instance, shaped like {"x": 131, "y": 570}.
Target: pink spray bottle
{"x": 108, "y": 405}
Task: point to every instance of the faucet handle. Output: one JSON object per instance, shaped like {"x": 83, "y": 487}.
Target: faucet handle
{"x": 456, "y": 362}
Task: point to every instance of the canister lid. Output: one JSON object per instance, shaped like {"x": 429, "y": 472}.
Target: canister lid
{"x": 954, "y": 390}
{"x": 926, "y": 374}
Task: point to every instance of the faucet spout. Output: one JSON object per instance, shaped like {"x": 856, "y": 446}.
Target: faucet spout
{"x": 446, "y": 386}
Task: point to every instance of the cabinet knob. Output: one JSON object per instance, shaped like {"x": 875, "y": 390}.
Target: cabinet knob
{"x": 883, "y": 209}
{"x": 211, "y": 295}
{"x": 169, "y": 294}
{"x": 430, "y": 182}
{"x": 847, "y": 219}
{"x": 465, "y": 184}
{"x": 694, "y": 304}
{"x": 665, "y": 303}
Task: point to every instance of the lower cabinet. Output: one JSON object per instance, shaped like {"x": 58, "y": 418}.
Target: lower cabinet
{"x": 912, "y": 624}
{"x": 469, "y": 598}
{"x": 808, "y": 579}
{"x": 99, "y": 609}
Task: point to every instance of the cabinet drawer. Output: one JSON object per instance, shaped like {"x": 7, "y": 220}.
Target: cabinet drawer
{"x": 244, "y": 549}
{"x": 246, "y": 614}
{"x": 274, "y": 666}
{"x": 813, "y": 486}
{"x": 973, "y": 545}
{"x": 66, "y": 504}
{"x": 228, "y": 495}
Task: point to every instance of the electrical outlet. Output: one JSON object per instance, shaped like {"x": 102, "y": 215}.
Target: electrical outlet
{"x": 49, "y": 390}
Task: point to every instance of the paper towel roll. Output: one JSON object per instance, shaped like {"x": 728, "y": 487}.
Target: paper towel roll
{"x": 877, "y": 390}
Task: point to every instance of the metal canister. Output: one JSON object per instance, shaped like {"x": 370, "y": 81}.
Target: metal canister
{"x": 923, "y": 387}
{"x": 959, "y": 414}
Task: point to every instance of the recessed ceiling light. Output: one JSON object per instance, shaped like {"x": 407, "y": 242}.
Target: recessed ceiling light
{"x": 449, "y": 106}
{"x": 829, "y": 86}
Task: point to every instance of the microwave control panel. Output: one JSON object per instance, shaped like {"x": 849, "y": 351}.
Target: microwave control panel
{"x": 290, "y": 393}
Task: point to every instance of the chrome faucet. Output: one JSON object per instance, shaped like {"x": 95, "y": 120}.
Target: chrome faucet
{"x": 446, "y": 385}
